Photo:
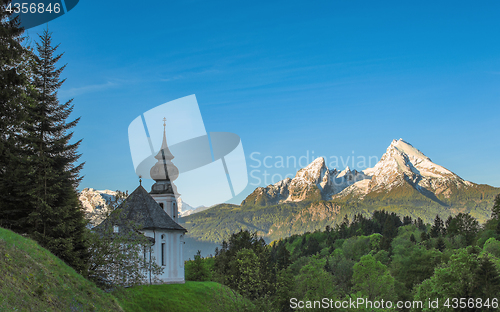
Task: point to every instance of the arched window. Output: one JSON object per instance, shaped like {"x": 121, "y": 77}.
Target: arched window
{"x": 174, "y": 205}
{"x": 161, "y": 205}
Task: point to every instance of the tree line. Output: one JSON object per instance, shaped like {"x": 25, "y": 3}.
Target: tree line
{"x": 40, "y": 169}
{"x": 382, "y": 257}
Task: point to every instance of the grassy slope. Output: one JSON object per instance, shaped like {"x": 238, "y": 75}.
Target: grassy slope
{"x": 33, "y": 279}
{"x": 191, "y": 296}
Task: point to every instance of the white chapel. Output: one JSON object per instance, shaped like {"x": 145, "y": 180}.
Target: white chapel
{"x": 157, "y": 215}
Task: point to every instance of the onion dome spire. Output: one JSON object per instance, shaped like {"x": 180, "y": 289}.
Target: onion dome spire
{"x": 164, "y": 152}
{"x": 164, "y": 171}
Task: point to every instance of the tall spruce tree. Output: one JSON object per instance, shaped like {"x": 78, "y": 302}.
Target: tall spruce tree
{"x": 495, "y": 211}
{"x": 14, "y": 82}
{"x": 57, "y": 219}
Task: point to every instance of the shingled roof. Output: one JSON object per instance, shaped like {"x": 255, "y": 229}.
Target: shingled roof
{"x": 142, "y": 210}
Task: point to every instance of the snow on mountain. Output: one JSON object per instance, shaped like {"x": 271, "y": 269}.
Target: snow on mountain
{"x": 402, "y": 163}
{"x": 186, "y": 210}
{"x": 97, "y": 203}
{"x": 92, "y": 199}
{"x": 315, "y": 181}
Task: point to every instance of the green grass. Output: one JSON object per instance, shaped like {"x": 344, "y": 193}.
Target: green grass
{"x": 33, "y": 279}
{"x": 191, "y": 296}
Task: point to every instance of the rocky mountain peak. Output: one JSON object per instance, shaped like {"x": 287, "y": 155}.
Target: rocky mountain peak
{"x": 402, "y": 165}
{"x": 314, "y": 172}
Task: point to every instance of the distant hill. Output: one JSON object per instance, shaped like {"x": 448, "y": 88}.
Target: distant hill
{"x": 404, "y": 181}
{"x": 33, "y": 279}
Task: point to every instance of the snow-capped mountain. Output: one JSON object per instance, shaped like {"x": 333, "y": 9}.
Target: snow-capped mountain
{"x": 402, "y": 165}
{"x": 315, "y": 181}
{"x": 96, "y": 204}
{"x": 92, "y": 199}
{"x": 188, "y": 210}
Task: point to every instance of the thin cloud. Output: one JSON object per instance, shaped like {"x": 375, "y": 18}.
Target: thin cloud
{"x": 72, "y": 92}
{"x": 172, "y": 78}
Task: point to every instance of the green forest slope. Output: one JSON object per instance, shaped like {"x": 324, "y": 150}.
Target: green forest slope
{"x": 285, "y": 219}
{"x": 33, "y": 279}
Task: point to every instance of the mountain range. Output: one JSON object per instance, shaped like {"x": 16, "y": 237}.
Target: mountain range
{"x": 401, "y": 167}
{"x": 404, "y": 181}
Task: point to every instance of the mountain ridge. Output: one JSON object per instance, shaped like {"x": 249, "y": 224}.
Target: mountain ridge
{"x": 401, "y": 163}
{"x": 404, "y": 181}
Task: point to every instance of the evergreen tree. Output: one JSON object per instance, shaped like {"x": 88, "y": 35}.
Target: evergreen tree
{"x": 282, "y": 256}
{"x": 312, "y": 247}
{"x": 438, "y": 228}
{"x": 14, "y": 81}
{"x": 440, "y": 245}
{"x": 495, "y": 211}
{"x": 487, "y": 279}
{"x": 57, "y": 219}
{"x": 389, "y": 231}
{"x": 420, "y": 224}
{"x": 412, "y": 238}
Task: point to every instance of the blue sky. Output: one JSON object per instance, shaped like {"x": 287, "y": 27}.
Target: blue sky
{"x": 337, "y": 78}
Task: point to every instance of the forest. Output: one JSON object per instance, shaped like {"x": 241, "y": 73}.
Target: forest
{"x": 450, "y": 264}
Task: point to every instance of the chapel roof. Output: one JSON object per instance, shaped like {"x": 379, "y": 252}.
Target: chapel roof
{"x": 143, "y": 211}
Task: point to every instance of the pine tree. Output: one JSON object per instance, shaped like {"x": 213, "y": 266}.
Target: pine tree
{"x": 487, "y": 279}
{"x": 412, "y": 238}
{"x": 57, "y": 220}
{"x": 495, "y": 211}
{"x": 438, "y": 228}
{"x": 14, "y": 82}
{"x": 440, "y": 245}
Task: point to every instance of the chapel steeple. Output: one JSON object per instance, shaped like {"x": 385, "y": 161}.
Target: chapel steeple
{"x": 164, "y": 172}
{"x": 164, "y": 152}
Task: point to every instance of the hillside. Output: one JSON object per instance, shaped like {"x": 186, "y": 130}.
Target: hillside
{"x": 404, "y": 181}
{"x": 33, "y": 279}
{"x": 191, "y": 296}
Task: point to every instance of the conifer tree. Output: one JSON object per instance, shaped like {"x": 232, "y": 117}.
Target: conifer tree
{"x": 14, "y": 81}
{"x": 57, "y": 220}
{"x": 438, "y": 228}
{"x": 487, "y": 280}
{"x": 495, "y": 211}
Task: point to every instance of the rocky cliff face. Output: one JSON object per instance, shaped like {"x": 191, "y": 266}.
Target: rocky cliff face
{"x": 400, "y": 166}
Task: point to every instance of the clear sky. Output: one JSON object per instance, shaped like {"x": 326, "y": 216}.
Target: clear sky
{"x": 337, "y": 78}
